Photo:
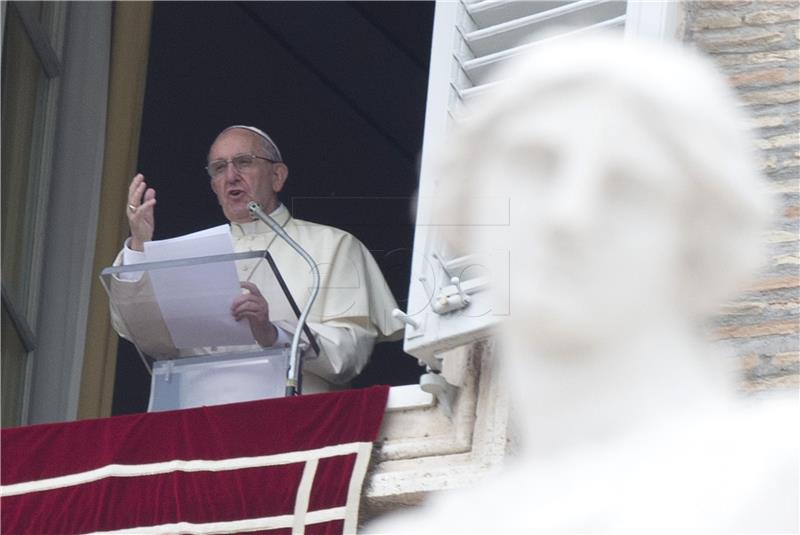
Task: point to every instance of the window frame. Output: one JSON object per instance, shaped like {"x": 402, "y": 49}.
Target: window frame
{"x": 46, "y": 37}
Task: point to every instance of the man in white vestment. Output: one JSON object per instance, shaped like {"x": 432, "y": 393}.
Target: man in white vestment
{"x": 353, "y": 309}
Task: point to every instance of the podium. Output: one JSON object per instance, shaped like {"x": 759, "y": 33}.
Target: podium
{"x": 176, "y": 334}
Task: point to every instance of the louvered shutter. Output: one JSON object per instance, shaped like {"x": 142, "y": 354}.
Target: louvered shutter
{"x": 470, "y": 39}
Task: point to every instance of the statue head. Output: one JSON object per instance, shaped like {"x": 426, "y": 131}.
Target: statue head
{"x": 633, "y": 191}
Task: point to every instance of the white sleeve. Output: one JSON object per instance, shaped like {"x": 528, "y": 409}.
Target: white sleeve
{"x": 284, "y": 337}
{"x": 345, "y": 348}
{"x": 130, "y": 258}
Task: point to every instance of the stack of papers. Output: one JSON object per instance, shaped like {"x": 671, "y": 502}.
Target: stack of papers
{"x": 196, "y": 300}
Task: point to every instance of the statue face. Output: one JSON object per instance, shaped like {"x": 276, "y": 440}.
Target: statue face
{"x": 596, "y": 216}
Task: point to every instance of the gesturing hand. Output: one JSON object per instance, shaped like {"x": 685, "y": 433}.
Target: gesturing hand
{"x": 253, "y": 307}
{"x": 141, "y": 201}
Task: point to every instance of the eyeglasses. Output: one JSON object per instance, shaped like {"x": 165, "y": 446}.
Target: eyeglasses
{"x": 242, "y": 163}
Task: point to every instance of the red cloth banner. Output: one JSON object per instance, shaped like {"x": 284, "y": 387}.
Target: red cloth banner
{"x": 274, "y": 466}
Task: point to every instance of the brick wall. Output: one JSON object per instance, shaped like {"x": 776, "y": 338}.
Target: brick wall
{"x": 757, "y": 44}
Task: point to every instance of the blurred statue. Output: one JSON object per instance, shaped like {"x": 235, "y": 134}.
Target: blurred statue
{"x": 636, "y": 208}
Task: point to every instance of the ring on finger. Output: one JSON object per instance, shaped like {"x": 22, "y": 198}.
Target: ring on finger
{"x": 132, "y": 208}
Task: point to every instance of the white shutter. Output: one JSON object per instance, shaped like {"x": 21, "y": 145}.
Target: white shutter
{"x": 469, "y": 40}
{"x": 497, "y": 30}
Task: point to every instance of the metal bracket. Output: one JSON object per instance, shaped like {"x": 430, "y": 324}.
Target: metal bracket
{"x": 433, "y": 383}
{"x": 416, "y": 325}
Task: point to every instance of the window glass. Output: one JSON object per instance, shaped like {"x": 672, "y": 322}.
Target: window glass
{"x": 23, "y": 85}
{"x": 22, "y": 75}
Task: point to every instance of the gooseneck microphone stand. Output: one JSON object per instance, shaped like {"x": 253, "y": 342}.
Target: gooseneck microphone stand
{"x": 293, "y": 378}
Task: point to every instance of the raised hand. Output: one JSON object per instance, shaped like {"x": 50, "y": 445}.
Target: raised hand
{"x": 253, "y": 307}
{"x": 141, "y": 201}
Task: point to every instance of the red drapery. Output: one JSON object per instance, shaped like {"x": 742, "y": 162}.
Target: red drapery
{"x": 271, "y": 466}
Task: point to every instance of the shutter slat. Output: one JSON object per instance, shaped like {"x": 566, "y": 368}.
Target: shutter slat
{"x": 479, "y": 70}
{"x": 509, "y": 34}
{"x": 487, "y": 13}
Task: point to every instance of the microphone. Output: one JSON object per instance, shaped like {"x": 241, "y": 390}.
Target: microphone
{"x": 295, "y": 359}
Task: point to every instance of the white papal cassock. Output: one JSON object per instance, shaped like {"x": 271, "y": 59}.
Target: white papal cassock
{"x": 351, "y": 313}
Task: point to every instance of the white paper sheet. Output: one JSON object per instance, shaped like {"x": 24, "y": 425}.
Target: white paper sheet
{"x": 195, "y": 301}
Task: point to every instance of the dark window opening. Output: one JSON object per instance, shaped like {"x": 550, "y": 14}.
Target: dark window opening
{"x": 340, "y": 86}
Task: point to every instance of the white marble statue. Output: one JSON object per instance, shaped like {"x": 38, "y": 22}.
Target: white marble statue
{"x": 636, "y": 208}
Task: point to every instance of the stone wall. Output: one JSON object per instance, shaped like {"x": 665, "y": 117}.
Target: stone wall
{"x": 757, "y": 44}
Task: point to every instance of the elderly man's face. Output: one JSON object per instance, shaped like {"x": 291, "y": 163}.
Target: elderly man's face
{"x": 235, "y": 189}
